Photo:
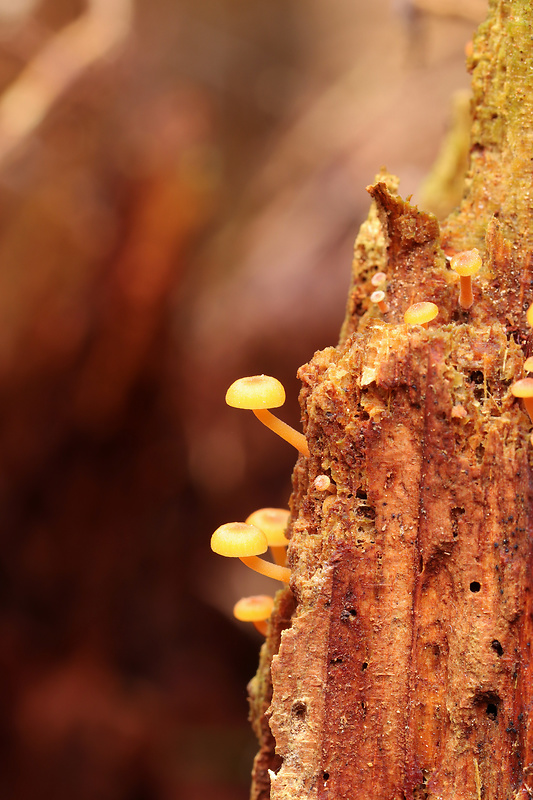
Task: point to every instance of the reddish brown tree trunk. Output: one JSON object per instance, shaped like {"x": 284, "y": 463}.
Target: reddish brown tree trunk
{"x": 405, "y": 670}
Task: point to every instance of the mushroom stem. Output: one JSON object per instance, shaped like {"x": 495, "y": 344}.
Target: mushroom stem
{"x": 261, "y": 626}
{"x": 267, "y": 568}
{"x": 279, "y": 554}
{"x": 291, "y": 436}
{"x": 466, "y": 298}
{"x": 466, "y": 264}
{"x": 528, "y": 403}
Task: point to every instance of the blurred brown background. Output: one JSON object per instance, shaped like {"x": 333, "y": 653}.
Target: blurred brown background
{"x": 181, "y": 182}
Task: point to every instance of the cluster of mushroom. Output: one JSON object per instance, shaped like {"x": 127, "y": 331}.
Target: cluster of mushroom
{"x": 248, "y": 540}
{"x": 266, "y": 527}
{"x": 465, "y": 264}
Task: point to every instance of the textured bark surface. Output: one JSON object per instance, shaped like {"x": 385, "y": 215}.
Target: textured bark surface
{"x": 406, "y": 671}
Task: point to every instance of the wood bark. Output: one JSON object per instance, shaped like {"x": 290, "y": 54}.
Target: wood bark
{"x": 405, "y": 669}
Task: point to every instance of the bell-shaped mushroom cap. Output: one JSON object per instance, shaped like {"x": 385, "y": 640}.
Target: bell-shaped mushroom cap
{"x": 256, "y": 391}
{"x": 238, "y": 540}
{"x": 523, "y": 388}
{"x": 466, "y": 263}
{"x": 254, "y": 609}
{"x": 528, "y": 364}
{"x": 420, "y": 313}
{"x": 377, "y": 297}
{"x": 273, "y": 522}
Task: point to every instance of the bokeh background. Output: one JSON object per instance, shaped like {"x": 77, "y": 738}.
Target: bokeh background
{"x": 181, "y": 182}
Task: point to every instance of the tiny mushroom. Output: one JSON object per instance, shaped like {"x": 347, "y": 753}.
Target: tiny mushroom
{"x": 240, "y": 540}
{"x": 378, "y": 279}
{"x": 524, "y": 389}
{"x": 529, "y": 315}
{"x": 322, "y": 483}
{"x": 256, "y": 609}
{"x": 466, "y": 264}
{"x": 273, "y": 522}
{"x": 258, "y": 393}
{"x": 421, "y": 314}
{"x": 528, "y": 364}
{"x": 378, "y": 297}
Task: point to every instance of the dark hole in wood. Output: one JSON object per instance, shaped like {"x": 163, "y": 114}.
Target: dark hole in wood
{"x": 299, "y": 709}
{"x": 360, "y": 493}
{"x": 476, "y": 376}
{"x": 475, "y": 586}
{"x": 497, "y": 647}
{"x": 455, "y": 514}
{"x": 325, "y": 775}
{"x": 348, "y": 614}
{"x": 364, "y": 665}
{"x": 366, "y": 512}
{"x": 492, "y": 710}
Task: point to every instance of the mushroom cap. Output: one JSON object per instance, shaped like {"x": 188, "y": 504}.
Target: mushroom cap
{"x": 238, "y": 540}
{"x": 529, "y": 315}
{"x": 419, "y": 313}
{"x": 256, "y": 391}
{"x": 322, "y": 482}
{"x": 377, "y": 296}
{"x": 378, "y": 278}
{"x": 523, "y": 388}
{"x": 528, "y": 364}
{"x": 466, "y": 263}
{"x": 273, "y": 522}
{"x": 254, "y": 609}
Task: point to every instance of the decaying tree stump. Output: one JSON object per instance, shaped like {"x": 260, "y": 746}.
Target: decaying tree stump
{"x": 405, "y": 669}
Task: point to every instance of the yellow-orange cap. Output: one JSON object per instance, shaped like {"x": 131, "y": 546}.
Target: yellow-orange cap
{"x": 420, "y": 313}
{"x": 377, "y": 297}
{"x": 238, "y": 540}
{"x": 256, "y": 391}
{"x": 529, "y": 315}
{"x": 273, "y": 522}
{"x": 523, "y": 388}
{"x": 528, "y": 364}
{"x": 466, "y": 263}
{"x": 254, "y": 608}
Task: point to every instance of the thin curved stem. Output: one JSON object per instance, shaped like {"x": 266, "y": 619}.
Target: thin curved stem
{"x": 267, "y": 568}
{"x": 291, "y": 436}
{"x": 261, "y": 626}
{"x": 279, "y": 554}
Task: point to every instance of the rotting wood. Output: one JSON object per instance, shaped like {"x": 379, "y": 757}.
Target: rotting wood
{"x": 406, "y": 670}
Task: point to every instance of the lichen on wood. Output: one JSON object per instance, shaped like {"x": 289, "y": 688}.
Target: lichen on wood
{"x": 405, "y": 671}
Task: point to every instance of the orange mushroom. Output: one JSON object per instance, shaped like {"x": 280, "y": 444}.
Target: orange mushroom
{"x": 421, "y": 314}
{"x": 378, "y": 297}
{"x": 524, "y": 389}
{"x": 273, "y": 522}
{"x": 529, "y": 315}
{"x": 240, "y": 540}
{"x": 258, "y": 393}
{"x": 466, "y": 264}
{"x": 256, "y": 609}
{"x": 528, "y": 364}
